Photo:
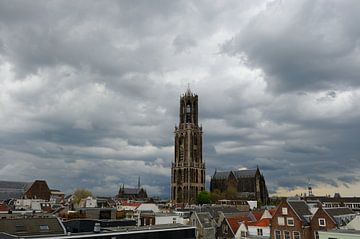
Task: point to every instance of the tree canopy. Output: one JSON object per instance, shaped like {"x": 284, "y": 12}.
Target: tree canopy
{"x": 203, "y": 198}
{"x": 81, "y": 193}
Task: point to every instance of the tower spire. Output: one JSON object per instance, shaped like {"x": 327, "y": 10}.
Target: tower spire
{"x": 139, "y": 182}
{"x": 188, "y": 91}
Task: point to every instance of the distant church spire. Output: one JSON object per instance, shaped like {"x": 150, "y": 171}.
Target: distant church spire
{"x": 139, "y": 182}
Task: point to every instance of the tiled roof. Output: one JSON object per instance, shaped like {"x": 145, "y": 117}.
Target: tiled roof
{"x": 234, "y": 222}
{"x": 258, "y": 214}
{"x": 215, "y": 210}
{"x": 221, "y": 175}
{"x": 131, "y": 190}
{"x": 9, "y": 190}
{"x": 272, "y": 211}
{"x": 301, "y": 209}
{"x": 340, "y": 215}
{"x": 245, "y": 173}
{"x": 130, "y": 204}
{"x": 205, "y": 219}
{"x": 31, "y": 226}
{"x": 4, "y": 207}
{"x": 265, "y": 222}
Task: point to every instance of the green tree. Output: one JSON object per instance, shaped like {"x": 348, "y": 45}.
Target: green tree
{"x": 203, "y": 198}
{"x": 81, "y": 193}
{"x": 231, "y": 193}
{"x": 216, "y": 195}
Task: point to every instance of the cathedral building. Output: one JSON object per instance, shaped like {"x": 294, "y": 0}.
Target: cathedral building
{"x": 248, "y": 184}
{"x": 188, "y": 168}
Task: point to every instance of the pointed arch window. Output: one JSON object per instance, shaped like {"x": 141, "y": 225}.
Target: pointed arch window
{"x": 188, "y": 113}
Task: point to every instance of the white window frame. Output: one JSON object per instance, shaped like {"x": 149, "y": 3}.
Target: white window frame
{"x": 322, "y": 224}
{"x": 316, "y": 235}
{"x": 284, "y": 210}
{"x": 281, "y": 221}
{"x": 285, "y": 234}
{"x": 287, "y": 221}
{"x": 294, "y": 235}
{"x": 276, "y": 235}
{"x": 261, "y": 232}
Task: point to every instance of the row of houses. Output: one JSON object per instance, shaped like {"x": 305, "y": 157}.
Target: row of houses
{"x": 291, "y": 219}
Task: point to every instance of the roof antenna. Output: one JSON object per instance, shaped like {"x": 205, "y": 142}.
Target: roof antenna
{"x": 309, "y": 188}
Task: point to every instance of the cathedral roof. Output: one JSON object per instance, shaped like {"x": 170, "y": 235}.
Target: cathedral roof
{"x": 131, "y": 190}
{"x": 247, "y": 173}
{"x": 221, "y": 175}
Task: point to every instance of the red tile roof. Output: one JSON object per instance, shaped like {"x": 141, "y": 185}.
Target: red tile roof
{"x": 258, "y": 214}
{"x": 234, "y": 222}
{"x": 130, "y": 204}
{"x": 3, "y": 207}
{"x": 265, "y": 222}
{"x": 272, "y": 211}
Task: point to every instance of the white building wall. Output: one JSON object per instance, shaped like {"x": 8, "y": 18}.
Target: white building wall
{"x": 148, "y": 207}
{"x": 253, "y": 231}
{"x": 168, "y": 219}
{"x": 90, "y": 202}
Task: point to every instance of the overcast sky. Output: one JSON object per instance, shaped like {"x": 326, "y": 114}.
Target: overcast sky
{"x": 89, "y": 91}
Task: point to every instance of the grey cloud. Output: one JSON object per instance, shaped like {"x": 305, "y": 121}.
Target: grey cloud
{"x": 183, "y": 43}
{"x": 302, "y": 45}
{"x": 95, "y": 85}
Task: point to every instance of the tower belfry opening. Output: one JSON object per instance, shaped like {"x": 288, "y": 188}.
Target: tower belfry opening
{"x": 188, "y": 169}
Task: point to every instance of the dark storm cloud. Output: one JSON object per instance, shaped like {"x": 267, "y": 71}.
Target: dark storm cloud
{"x": 303, "y": 45}
{"x": 91, "y": 85}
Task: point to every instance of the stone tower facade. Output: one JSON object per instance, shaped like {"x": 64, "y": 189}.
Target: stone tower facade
{"x": 188, "y": 168}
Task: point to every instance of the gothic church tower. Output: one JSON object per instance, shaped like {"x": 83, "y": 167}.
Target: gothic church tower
{"x": 188, "y": 169}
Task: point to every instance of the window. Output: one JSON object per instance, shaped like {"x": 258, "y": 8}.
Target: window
{"x": 296, "y": 235}
{"x": 174, "y": 219}
{"x": 44, "y": 228}
{"x": 20, "y": 228}
{"x": 286, "y": 235}
{"x": 322, "y": 222}
{"x": 284, "y": 211}
{"x": 281, "y": 221}
{"x": 316, "y": 235}
{"x": 225, "y": 229}
{"x": 290, "y": 221}
{"x": 277, "y": 234}
{"x": 259, "y": 232}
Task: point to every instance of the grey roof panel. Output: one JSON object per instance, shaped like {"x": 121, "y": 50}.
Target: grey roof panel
{"x": 9, "y": 189}
{"x": 301, "y": 209}
{"x": 221, "y": 175}
{"x": 341, "y": 215}
{"x": 245, "y": 173}
{"x": 205, "y": 219}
